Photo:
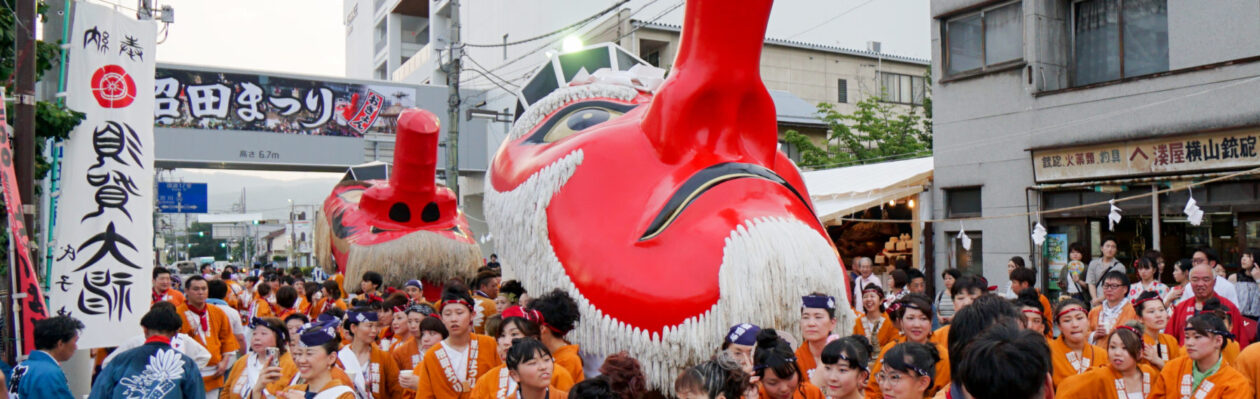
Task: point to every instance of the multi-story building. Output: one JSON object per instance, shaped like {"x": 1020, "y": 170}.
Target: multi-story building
{"x": 1047, "y": 109}
{"x": 408, "y": 41}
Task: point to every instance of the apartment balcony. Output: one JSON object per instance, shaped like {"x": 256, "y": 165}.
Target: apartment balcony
{"x": 414, "y": 64}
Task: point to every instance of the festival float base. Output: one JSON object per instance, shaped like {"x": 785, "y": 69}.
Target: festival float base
{"x": 406, "y": 227}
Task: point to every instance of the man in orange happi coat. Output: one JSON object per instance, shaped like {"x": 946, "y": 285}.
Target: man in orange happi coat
{"x": 209, "y": 326}
{"x": 1115, "y": 309}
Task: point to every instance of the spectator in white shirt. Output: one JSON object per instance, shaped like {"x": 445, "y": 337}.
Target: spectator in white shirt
{"x": 863, "y": 265}
{"x": 1224, "y": 288}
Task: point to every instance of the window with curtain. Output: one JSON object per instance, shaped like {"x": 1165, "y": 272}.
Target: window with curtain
{"x": 902, "y": 88}
{"x": 992, "y": 37}
{"x": 1115, "y": 39}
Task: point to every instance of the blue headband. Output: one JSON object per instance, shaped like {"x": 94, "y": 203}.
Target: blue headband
{"x": 413, "y": 283}
{"x": 316, "y": 334}
{"x": 743, "y": 334}
{"x": 818, "y": 302}
{"x": 361, "y": 317}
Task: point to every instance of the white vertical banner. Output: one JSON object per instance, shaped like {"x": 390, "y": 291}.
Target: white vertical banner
{"x": 103, "y": 259}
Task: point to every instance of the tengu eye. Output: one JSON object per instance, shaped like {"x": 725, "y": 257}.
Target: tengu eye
{"x": 579, "y": 120}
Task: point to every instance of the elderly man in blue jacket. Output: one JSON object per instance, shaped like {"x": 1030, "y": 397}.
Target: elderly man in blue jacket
{"x": 40, "y": 376}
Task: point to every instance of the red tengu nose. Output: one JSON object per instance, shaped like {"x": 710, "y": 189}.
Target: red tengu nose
{"x": 714, "y": 103}
{"x": 411, "y": 198}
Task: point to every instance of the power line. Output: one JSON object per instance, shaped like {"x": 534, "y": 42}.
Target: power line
{"x": 483, "y": 73}
{"x": 528, "y": 69}
{"x": 487, "y": 74}
{"x": 837, "y": 16}
{"x": 555, "y": 32}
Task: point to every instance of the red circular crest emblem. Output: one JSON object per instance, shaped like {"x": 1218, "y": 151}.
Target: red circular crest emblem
{"x": 113, "y": 87}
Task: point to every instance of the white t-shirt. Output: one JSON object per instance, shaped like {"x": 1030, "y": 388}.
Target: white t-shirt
{"x": 860, "y": 283}
{"x": 182, "y": 342}
{"x": 458, "y": 360}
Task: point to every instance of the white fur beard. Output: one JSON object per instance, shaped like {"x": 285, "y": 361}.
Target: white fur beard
{"x": 768, "y": 264}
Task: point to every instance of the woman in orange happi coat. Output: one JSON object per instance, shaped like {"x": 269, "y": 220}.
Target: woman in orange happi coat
{"x": 1123, "y": 377}
{"x": 530, "y": 364}
{"x": 1202, "y": 371}
{"x": 497, "y": 382}
{"x": 269, "y": 333}
{"x": 778, "y": 374}
{"x": 371, "y": 369}
{"x": 818, "y": 320}
{"x": 557, "y": 315}
{"x": 451, "y": 368}
{"x": 1071, "y": 353}
{"x": 913, "y": 314}
{"x": 331, "y": 298}
{"x": 872, "y": 322}
{"x": 1160, "y": 347}
{"x": 317, "y": 365}
{"x": 909, "y": 371}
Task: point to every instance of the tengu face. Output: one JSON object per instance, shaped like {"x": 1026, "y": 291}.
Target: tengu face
{"x": 645, "y": 231}
{"x": 668, "y": 215}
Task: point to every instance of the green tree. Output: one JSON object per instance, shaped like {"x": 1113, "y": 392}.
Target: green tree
{"x": 876, "y": 131}
{"x": 52, "y": 120}
{"x": 203, "y": 242}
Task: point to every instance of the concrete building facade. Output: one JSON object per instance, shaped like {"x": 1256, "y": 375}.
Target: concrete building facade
{"x": 1049, "y": 107}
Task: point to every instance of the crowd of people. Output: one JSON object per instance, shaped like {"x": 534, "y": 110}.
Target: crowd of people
{"x": 268, "y": 333}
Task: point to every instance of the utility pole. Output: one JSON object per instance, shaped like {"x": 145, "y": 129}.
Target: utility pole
{"x": 292, "y": 236}
{"x": 452, "y": 104}
{"x": 24, "y": 145}
{"x": 24, "y": 109}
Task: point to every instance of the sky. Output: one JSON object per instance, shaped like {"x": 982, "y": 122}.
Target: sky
{"x": 308, "y": 37}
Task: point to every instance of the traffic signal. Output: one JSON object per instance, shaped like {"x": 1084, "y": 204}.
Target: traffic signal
{"x": 201, "y": 234}
{"x": 223, "y": 245}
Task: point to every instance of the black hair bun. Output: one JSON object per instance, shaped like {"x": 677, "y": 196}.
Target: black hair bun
{"x": 767, "y": 338}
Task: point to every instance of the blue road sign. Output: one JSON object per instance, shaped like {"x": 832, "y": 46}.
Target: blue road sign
{"x": 175, "y": 197}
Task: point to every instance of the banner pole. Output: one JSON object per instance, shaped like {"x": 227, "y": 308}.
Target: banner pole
{"x": 13, "y": 305}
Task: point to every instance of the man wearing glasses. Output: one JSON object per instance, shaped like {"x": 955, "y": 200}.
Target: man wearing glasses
{"x": 1203, "y": 284}
{"x": 1114, "y": 310}
{"x": 1223, "y": 288}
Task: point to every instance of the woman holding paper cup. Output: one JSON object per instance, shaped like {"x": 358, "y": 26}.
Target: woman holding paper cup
{"x": 268, "y": 352}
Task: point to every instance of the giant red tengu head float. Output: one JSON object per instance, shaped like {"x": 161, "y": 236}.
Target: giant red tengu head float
{"x": 407, "y": 227}
{"x": 669, "y": 217}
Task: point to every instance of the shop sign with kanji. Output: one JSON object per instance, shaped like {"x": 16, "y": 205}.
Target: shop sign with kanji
{"x": 1158, "y": 156}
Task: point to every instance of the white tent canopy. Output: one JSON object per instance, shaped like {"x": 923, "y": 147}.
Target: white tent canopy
{"x": 842, "y": 191}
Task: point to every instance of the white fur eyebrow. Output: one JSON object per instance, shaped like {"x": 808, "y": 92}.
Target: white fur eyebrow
{"x": 563, "y": 96}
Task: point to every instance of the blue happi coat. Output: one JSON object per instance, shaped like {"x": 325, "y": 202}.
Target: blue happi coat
{"x": 152, "y": 371}
{"x": 39, "y": 376}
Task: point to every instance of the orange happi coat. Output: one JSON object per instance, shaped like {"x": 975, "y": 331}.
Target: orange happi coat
{"x": 1101, "y": 383}
{"x": 1091, "y": 356}
{"x": 1248, "y": 363}
{"x": 567, "y": 357}
{"x": 940, "y": 381}
{"x": 434, "y": 383}
{"x": 494, "y": 384}
{"x": 379, "y": 377}
{"x": 1166, "y": 347}
{"x": 1226, "y": 383}
{"x": 216, "y": 336}
{"x": 886, "y": 331}
{"x": 235, "y": 384}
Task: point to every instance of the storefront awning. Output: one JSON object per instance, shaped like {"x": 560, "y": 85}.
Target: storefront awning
{"x": 842, "y": 191}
